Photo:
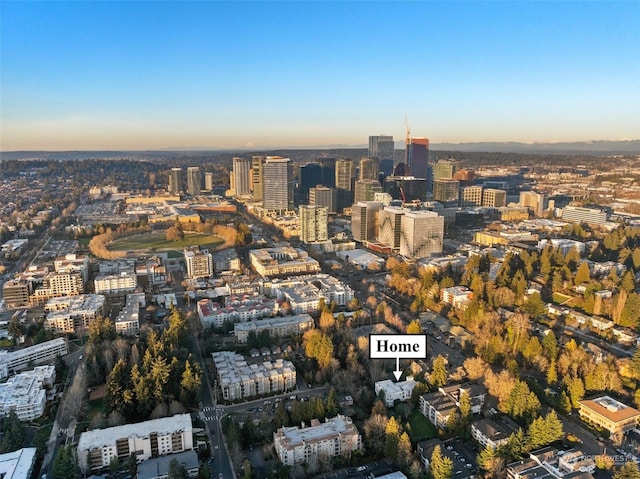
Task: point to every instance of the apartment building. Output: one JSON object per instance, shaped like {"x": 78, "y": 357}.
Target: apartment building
{"x": 278, "y": 327}
{"x": 122, "y": 282}
{"x": 37, "y": 354}
{"x": 493, "y": 432}
{"x": 338, "y": 436}
{"x": 395, "y": 391}
{"x": 153, "y": 438}
{"x": 25, "y": 393}
{"x": 128, "y": 320}
{"x": 241, "y": 381}
{"x": 199, "y": 263}
{"x": 73, "y": 313}
{"x": 234, "y": 311}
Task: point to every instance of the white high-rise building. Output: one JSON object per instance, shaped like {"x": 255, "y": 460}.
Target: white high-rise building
{"x": 242, "y": 176}
{"x": 534, "y": 201}
{"x": 422, "y": 234}
{"x": 313, "y": 223}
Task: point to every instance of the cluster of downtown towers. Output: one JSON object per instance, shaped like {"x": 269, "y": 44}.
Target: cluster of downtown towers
{"x": 334, "y": 182}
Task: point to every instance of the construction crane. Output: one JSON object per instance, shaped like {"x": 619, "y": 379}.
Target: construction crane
{"x": 406, "y": 124}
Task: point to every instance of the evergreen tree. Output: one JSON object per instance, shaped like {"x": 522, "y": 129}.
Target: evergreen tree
{"x": 583, "y": 275}
{"x": 522, "y": 404}
{"x": 634, "y": 364}
{"x": 628, "y": 282}
{"x": 465, "y": 407}
{"x": 629, "y": 470}
{"x": 176, "y": 470}
{"x": 575, "y": 387}
{"x": 439, "y": 373}
{"x": 550, "y": 345}
{"x": 534, "y": 305}
{"x": 552, "y": 374}
{"x": 441, "y": 467}
{"x": 331, "y": 407}
{"x": 65, "y": 465}
{"x": 414, "y": 327}
{"x": 13, "y": 433}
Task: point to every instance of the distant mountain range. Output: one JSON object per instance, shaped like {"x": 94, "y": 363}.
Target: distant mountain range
{"x": 596, "y": 148}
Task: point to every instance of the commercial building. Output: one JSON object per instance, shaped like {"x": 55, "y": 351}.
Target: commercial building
{"x": 277, "y": 184}
{"x": 241, "y": 381}
{"x": 15, "y": 293}
{"x": 471, "y": 196}
{"x": 395, "y": 391}
{"x": 534, "y": 201}
{"x": 422, "y": 234}
{"x": 609, "y": 414}
{"x": 369, "y": 169}
{"x": 494, "y": 198}
{"x": 282, "y": 260}
{"x": 37, "y": 354}
{"x": 445, "y": 169}
{"x": 241, "y": 176}
{"x": 406, "y": 188}
{"x": 390, "y": 219}
{"x": 383, "y": 148}
{"x": 338, "y": 436}
{"x": 194, "y": 181}
{"x": 277, "y": 327}
{"x": 175, "y": 181}
{"x": 153, "y": 438}
{"x": 313, "y": 223}
{"x": 345, "y": 175}
{"x": 323, "y": 196}
{"x": 257, "y": 183}
{"x": 365, "y": 190}
{"x": 71, "y": 314}
{"x": 226, "y": 260}
{"x": 417, "y": 157}
{"x": 199, "y": 263}
{"x": 446, "y": 191}
{"x": 591, "y": 216}
{"x": 364, "y": 220}
{"x": 25, "y": 393}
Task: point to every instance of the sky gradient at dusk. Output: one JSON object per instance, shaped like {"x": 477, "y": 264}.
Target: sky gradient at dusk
{"x": 151, "y": 75}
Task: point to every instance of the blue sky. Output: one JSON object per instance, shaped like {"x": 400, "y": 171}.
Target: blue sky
{"x": 146, "y": 75}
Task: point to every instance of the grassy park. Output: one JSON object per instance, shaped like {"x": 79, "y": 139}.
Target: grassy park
{"x": 158, "y": 242}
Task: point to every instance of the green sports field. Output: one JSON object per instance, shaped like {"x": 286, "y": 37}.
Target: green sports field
{"x": 158, "y": 242}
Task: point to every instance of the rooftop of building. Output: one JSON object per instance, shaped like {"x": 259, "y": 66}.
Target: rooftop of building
{"x": 610, "y": 408}
{"x": 334, "y": 426}
{"x": 103, "y": 437}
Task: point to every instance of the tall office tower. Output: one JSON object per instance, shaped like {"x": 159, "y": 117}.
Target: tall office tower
{"x": 323, "y": 196}
{"x": 534, "y": 201}
{"x": 422, "y": 234}
{"x": 208, "y": 181}
{"x": 310, "y": 175}
{"x": 406, "y": 188}
{"x": 257, "y": 165}
{"x": 175, "y": 181}
{"x": 471, "y": 196}
{"x": 366, "y": 189}
{"x": 446, "y": 191}
{"x": 277, "y": 176}
{"x": 445, "y": 169}
{"x": 194, "y": 180}
{"x": 199, "y": 262}
{"x": 369, "y": 168}
{"x": 328, "y": 172}
{"x": 383, "y": 148}
{"x": 345, "y": 174}
{"x": 494, "y": 197}
{"x": 465, "y": 176}
{"x": 364, "y": 220}
{"x": 313, "y": 223}
{"x": 417, "y": 157}
{"x": 390, "y": 219}
{"x": 242, "y": 176}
